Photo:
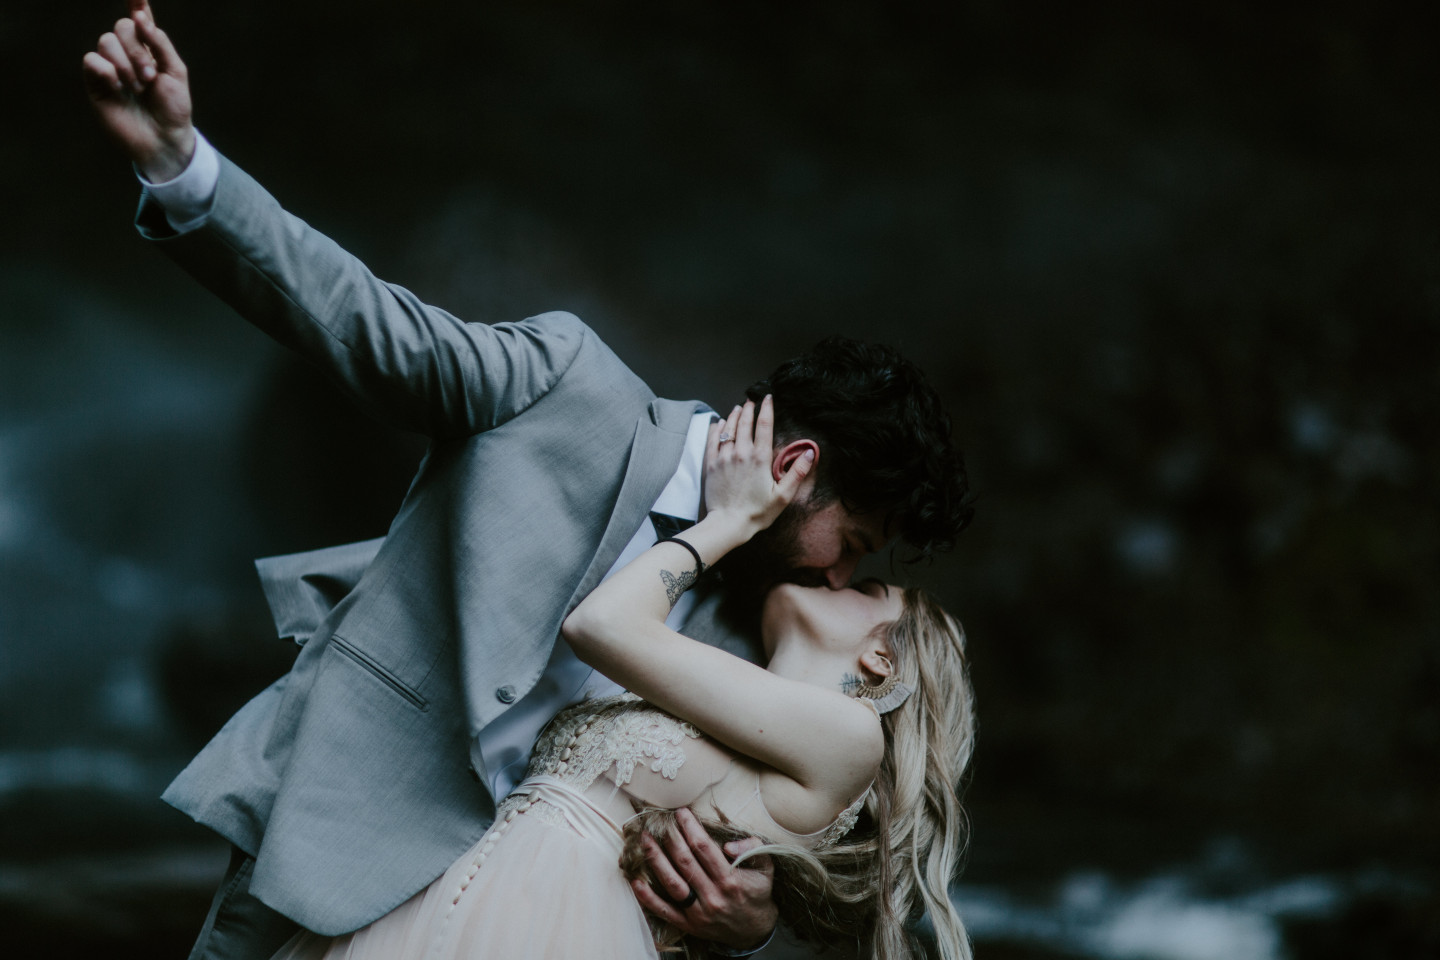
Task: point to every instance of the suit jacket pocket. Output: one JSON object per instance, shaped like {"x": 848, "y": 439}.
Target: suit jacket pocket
{"x": 378, "y": 670}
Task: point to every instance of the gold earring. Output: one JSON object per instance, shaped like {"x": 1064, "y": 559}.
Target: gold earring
{"x": 888, "y": 693}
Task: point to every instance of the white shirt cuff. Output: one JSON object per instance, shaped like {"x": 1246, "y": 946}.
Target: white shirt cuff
{"x": 187, "y": 198}
{"x": 724, "y": 951}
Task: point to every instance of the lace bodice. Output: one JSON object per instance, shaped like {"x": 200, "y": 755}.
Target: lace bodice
{"x": 617, "y": 732}
{"x": 609, "y": 740}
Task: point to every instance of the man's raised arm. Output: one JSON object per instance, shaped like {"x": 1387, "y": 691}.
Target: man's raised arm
{"x": 406, "y": 362}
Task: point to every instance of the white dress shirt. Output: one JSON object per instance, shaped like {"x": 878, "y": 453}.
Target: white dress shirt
{"x": 505, "y": 744}
{"x": 187, "y": 198}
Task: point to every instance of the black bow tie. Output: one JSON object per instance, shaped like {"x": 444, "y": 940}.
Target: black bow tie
{"x": 668, "y": 526}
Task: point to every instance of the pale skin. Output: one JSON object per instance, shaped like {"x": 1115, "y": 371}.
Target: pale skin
{"x": 141, "y": 89}
{"x": 822, "y": 746}
{"x": 139, "y": 86}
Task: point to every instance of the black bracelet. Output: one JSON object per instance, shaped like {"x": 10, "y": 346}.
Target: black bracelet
{"x": 699, "y": 564}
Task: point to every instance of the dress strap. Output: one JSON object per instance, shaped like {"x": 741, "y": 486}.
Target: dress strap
{"x": 754, "y": 795}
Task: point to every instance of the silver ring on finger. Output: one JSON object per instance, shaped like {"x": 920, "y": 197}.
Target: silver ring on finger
{"x": 724, "y": 438}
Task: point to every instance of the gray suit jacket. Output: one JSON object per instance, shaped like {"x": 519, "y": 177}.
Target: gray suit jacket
{"x": 349, "y": 779}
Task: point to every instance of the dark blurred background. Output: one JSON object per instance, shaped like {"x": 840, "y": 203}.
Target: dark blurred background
{"x": 1173, "y": 266}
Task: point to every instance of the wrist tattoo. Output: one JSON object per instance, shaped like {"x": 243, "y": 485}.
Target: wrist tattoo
{"x": 676, "y": 585}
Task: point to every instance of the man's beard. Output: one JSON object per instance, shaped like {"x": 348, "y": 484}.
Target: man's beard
{"x": 772, "y": 556}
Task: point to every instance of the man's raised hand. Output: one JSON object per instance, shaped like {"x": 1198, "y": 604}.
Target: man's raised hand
{"x": 141, "y": 90}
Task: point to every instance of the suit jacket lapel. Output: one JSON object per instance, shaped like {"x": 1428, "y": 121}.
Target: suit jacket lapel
{"x": 659, "y": 441}
{"x": 302, "y": 588}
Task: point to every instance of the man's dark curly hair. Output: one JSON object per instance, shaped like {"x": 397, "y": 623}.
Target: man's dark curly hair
{"x": 884, "y": 437}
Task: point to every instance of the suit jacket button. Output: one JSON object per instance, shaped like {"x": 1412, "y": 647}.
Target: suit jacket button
{"x": 505, "y": 694}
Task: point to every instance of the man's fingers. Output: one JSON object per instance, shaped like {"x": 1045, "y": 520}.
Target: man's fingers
{"x": 100, "y": 77}
{"x": 691, "y": 872}
{"x": 139, "y": 54}
{"x": 675, "y": 886}
{"x": 653, "y": 904}
{"x": 707, "y": 852}
{"x": 736, "y": 849}
{"x": 111, "y": 49}
{"x": 167, "y": 59}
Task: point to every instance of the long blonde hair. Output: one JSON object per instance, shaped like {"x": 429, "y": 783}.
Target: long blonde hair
{"x": 868, "y": 890}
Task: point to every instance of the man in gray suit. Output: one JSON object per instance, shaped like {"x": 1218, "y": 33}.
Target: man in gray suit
{"x": 430, "y": 660}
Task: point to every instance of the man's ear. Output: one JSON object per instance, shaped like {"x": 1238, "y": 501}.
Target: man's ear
{"x": 786, "y": 456}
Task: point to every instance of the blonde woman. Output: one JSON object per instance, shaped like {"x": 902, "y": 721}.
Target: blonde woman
{"x": 844, "y": 755}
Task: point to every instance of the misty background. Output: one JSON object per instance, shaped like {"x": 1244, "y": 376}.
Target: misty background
{"x": 1176, "y": 270}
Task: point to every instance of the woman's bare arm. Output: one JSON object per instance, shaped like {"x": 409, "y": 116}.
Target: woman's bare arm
{"x": 822, "y": 739}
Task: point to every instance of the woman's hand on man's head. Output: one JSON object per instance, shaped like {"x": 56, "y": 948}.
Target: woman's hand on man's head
{"x": 744, "y": 483}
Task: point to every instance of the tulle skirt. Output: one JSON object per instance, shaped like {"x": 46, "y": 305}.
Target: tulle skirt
{"x": 544, "y": 884}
